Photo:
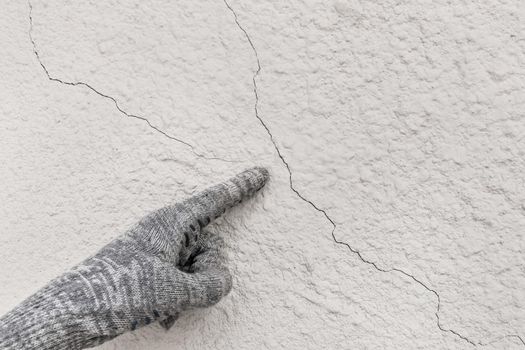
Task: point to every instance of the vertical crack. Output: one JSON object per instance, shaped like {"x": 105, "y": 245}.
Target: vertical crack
{"x": 322, "y": 211}
{"x": 282, "y": 158}
{"x": 112, "y": 99}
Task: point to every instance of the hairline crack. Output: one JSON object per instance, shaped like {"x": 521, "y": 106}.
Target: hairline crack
{"x": 322, "y": 211}
{"x": 114, "y": 100}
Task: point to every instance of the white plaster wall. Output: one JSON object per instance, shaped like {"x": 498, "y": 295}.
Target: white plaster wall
{"x": 400, "y": 124}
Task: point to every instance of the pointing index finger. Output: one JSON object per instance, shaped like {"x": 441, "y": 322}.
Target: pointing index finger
{"x": 212, "y": 202}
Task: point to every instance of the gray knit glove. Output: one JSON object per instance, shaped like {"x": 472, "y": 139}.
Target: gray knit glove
{"x": 163, "y": 265}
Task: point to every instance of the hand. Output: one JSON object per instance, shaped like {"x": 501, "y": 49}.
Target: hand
{"x": 165, "y": 264}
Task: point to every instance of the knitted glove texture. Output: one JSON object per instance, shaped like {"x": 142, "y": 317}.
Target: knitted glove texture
{"x": 163, "y": 265}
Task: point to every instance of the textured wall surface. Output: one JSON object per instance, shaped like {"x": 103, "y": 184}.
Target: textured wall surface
{"x": 394, "y": 132}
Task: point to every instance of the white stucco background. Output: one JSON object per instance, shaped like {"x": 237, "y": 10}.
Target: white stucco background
{"x": 400, "y": 125}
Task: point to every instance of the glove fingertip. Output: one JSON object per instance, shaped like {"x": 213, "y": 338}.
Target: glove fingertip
{"x": 169, "y": 321}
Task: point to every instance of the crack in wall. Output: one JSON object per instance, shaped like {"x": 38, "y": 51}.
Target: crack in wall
{"x": 517, "y": 337}
{"x": 282, "y": 158}
{"x": 323, "y": 212}
{"x": 115, "y": 102}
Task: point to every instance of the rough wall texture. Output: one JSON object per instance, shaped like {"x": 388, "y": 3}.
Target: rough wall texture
{"x": 394, "y": 132}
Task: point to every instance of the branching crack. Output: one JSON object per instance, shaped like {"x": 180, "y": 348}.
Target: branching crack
{"x": 322, "y": 211}
{"x": 115, "y": 102}
{"x": 283, "y": 160}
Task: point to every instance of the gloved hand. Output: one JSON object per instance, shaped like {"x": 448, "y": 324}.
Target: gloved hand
{"x": 163, "y": 265}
